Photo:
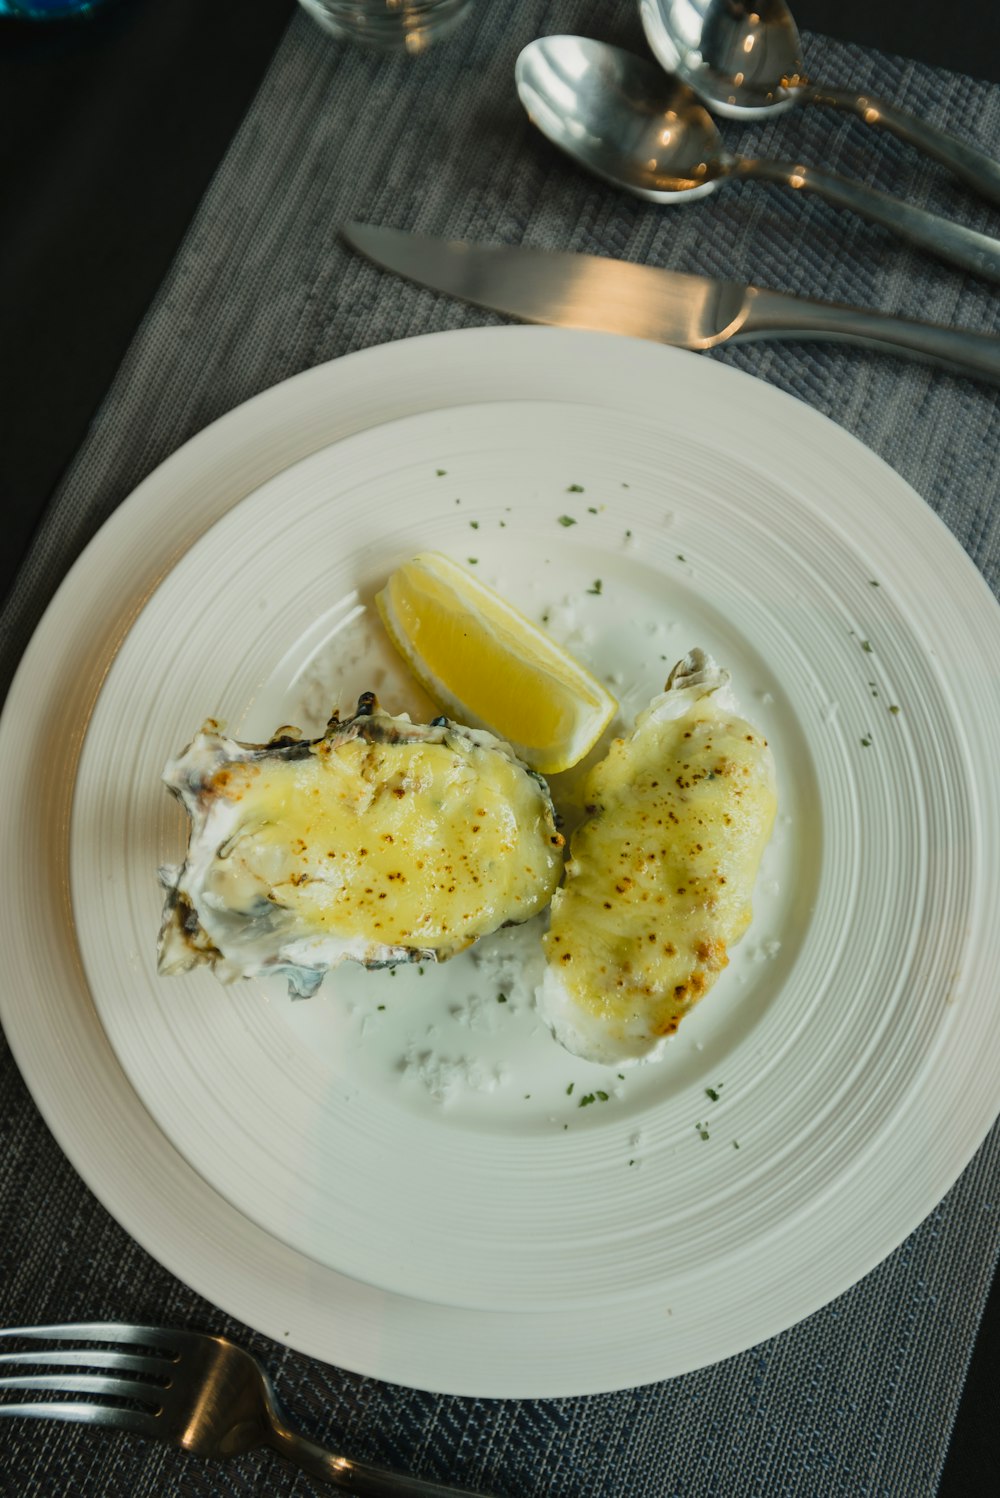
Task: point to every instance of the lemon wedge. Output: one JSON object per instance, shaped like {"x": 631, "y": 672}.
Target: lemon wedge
{"x": 489, "y": 666}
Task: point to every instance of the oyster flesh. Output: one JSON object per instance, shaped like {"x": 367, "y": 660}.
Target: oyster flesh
{"x": 659, "y": 880}
{"x": 383, "y": 841}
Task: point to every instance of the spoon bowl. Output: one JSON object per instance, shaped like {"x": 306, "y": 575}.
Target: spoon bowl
{"x": 745, "y": 61}
{"x": 620, "y": 117}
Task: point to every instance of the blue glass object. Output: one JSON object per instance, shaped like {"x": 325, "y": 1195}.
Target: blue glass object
{"x": 47, "y": 10}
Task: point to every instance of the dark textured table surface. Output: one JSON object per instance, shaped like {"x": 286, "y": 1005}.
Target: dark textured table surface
{"x": 110, "y": 132}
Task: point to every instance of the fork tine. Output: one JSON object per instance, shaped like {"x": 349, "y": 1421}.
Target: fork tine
{"x": 80, "y": 1357}
{"x": 89, "y": 1414}
{"x": 101, "y": 1331}
{"x": 87, "y": 1383}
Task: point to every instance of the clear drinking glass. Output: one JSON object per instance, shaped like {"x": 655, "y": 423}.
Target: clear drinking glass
{"x": 389, "y": 25}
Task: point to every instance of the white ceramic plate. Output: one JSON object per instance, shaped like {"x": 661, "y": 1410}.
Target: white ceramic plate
{"x": 274, "y": 1155}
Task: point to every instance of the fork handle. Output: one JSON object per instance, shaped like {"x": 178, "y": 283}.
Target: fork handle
{"x": 356, "y": 1477}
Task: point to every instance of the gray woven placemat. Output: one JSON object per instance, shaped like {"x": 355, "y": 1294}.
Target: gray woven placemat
{"x": 860, "y": 1398}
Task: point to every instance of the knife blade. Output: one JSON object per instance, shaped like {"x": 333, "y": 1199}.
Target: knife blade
{"x": 597, "y": 294}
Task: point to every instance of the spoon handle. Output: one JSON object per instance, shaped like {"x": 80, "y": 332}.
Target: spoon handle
{"x": 972, "y": 166}
{"x": 941, "y": 236}
{"x": 772, "y": 314}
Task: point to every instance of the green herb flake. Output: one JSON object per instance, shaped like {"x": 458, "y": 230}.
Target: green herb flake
{"x": 472, "y": 561}
{"x": 602, "y": 1095}
{"x": 591, "y": 509}
{"x": 458, "y": 501}
{"x": 681, "y": 557}
{"x": 569, "y": 1089}
{"x": 710, "y": 1092}
{"x": 420, "y": 971}
{"x": 440, "y": 472}
{"x": 702, "y": 1131}
{"x": 621, "y": 1076}
{"x": 574, "y": 489}
{"x": 597, "y": 589}
{"x": 867, "y": 743}
{"x": 501, "y": 998}
{"x": 873, "y": 582}
{"x": 474, "y": 524}
{"x": 736, "y": 1144}
{"x": 624, "y": 486}
{"x": 381, "y": 1006}
{"x": 894, "y": 707}
{"x": 586, "y": 1100}
{"x": 503, "y": 525}
{"x": 866, "y": 646}
{"x": 566, "y": 520}
{"x": 628, "y": 535}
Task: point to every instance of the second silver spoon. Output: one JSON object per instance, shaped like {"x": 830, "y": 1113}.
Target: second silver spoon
{"x": 624, "y": 119}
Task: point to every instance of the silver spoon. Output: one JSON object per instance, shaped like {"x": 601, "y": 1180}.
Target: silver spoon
{"x": 624, "y": 119}
{"x": 744, "y": 60}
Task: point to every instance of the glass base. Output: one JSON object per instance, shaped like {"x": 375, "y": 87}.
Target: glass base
{"x": 388, "y": 25}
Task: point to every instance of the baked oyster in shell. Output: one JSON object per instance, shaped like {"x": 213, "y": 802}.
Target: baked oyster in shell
{"x": 383, "y": 841}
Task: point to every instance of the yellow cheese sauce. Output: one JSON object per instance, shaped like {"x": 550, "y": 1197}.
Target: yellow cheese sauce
{"x": 660, "y": 879}
{"x": 400, "y": 844}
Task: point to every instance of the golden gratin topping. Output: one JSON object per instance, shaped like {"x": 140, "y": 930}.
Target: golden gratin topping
{"x": 660, "y": 877}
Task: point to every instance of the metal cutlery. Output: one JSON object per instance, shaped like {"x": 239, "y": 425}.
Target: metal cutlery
{"x": 743, "y": 58}
{"x": 624, "y": 119}
{"x": 689, "y": 311}
{"x": 199, "y": 1392}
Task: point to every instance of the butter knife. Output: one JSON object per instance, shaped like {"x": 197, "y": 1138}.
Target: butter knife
{"x": 643, "y": 301}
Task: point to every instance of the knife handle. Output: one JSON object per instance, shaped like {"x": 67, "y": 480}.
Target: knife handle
{"x": 941, "y": 236}
{"x": 967, "y": 162}
{"x": 772, "y": 314}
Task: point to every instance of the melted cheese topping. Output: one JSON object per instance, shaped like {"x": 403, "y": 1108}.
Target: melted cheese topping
{"x": 660, "y": 879}
{"x": 399, "y": 844}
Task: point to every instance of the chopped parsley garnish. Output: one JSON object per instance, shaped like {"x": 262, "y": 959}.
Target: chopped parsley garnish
{"x": 628, "y": 535}
{"x": 584, "y": 1101}
{"x": 702, "y": 1131}
{"x": 681, "y": 557}
{"x": 575, "y": 489}
{"x": 591, "y": 509}
{"x": 866, "y": 743}
{"x": 736, "y": 1144}
{"x": 566, "y": 520}
{"x": 474, "y": 524}
{"x": 472, "y": 560}
{"x": 381, "y": 1006}
{"x": 597, "y": 588}
{"x": 501, "y": 998}
{"x": 503, "y": 525}
{"x": 710, "y": 1092}
{"x": 894, "y": 707}
{"x": 873, "y": 582}
{"x": 569, "y": 1089}
{"x": 866, "y": 646}
{"x": 440, "y": 472}
{"x": 602, "y": 1095}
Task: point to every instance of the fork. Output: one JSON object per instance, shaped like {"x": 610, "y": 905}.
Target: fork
{"x": 202, "y": 1393}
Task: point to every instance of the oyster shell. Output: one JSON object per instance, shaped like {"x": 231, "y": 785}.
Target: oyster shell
{"x": 383, "y": 841}
{"x": 659, "y": 881}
